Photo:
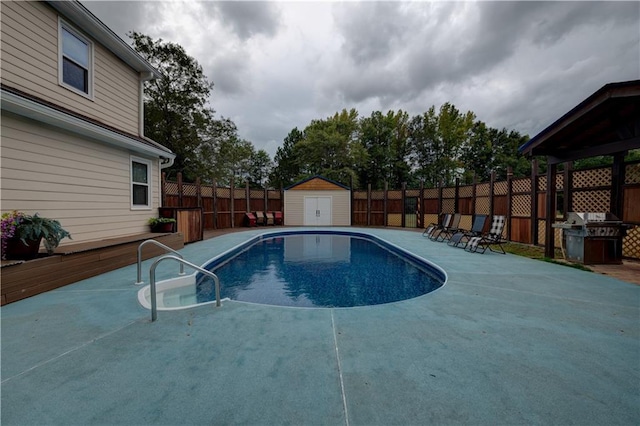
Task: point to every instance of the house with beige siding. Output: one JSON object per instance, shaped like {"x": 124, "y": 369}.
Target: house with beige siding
{"x": 317, "y": 201}
{"x": 73, "y": 146}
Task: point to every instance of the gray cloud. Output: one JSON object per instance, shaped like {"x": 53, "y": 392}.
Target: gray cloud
{"x": 247, "y": 18}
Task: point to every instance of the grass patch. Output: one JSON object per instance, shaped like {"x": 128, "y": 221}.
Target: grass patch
{"x": 535, "y": 252}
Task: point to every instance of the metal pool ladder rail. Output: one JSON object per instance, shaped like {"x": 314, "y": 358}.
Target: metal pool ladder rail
{"x": 139, "y": 282}
{"x": 152, "y": 281}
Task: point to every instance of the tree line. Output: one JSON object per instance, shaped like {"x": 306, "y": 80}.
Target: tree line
{"x": 434, "y": 148}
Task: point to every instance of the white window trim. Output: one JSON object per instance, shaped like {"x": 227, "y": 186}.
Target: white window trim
{"x": 149, "y": 183}
{"x": 63, "y": 24}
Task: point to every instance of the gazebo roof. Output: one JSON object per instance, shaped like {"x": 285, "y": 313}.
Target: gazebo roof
{"x": 606, "y": 123}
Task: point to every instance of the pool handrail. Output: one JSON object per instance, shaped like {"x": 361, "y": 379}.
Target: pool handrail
{"x": 159, "y": 244}
{"x": 152, "y": 281}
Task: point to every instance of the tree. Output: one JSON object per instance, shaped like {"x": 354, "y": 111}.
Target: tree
{"x": 175, "y": 105}
{"x": 260, "y": 166}
{"x": 286, "y": 170}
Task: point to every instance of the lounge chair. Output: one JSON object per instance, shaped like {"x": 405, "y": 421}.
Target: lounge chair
{"x": 447, "y": 231}
{"x": 260, "y": 218}
{"x": 464, "y": 236}
{"x": 491, "y": 238}
{"x": 446, "y": 219}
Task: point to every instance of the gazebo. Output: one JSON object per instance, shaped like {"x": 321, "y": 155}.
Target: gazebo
{"x": 606, "y": 123}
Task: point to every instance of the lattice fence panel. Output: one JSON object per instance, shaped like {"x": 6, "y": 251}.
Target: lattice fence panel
{"x": 521, "y": 205}
{"x": 448, "y": 192}
{"x": 359, "y": 195}
{"x": 482, "y": 205}
{"x": 631, "y": 243}
{"x": 377, "y": 195}
{"x": 542, "y": 183}
{"x": 591, "y": 201}
{"x": 448, "y": 206}
{"x": 521, "y": 185}
{"x": 482, "y": 190}
{"x": 431, "y": 193}
{"x": 412, "y": 193}
{"x": 394, "y": 219}
{"x": 189, "y": 190}
{"x": 591, "y": 178}
{"x": 256, "y": 193}
{"x": 394, "y": 195}
{"x": 273, "y": 194}
{"x": 223, "y": 192}
{"x": 632, "y": 174}
{"x": 465, "y": 191}
{"x": 500, "y": 188}
{"x": 207, "y": 191}
{"x": 428, "y": 219}
{"x": 239, "y": 194}
{"x": 171, "y": 188}
{"x": 557, "y": 232}
{"x": 559, "y": 181}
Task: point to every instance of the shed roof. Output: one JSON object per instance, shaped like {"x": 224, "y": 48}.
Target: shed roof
{"x": 317, "y": 182}
{"x": 606, "y": 123}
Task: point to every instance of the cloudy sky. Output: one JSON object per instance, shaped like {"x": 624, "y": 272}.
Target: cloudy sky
{"x": 278, "y": 65}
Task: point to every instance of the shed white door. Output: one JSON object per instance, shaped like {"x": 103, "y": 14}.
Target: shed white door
{"x": 317, "y": 211}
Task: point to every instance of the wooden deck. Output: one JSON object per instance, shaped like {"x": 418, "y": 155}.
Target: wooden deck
{"x": 75, "y": 262}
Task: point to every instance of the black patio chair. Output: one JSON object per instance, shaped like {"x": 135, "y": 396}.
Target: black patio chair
{"x": 463, "y": 236}
{"x": 445, "y": 219}
{"x": 446, "y": 231}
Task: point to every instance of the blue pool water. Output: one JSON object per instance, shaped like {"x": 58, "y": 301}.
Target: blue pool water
{"x": 319, "y": 270}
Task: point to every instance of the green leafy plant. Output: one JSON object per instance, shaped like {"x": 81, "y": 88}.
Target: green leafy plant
{"x": 26, "y": 227}
{"x": 154, "y": 221}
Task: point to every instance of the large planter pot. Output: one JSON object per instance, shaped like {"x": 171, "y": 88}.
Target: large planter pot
{"x": 18, "y": 250}
{"x": 162, "y": 227}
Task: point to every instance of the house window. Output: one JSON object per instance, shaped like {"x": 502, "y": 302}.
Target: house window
{"x": 140, "y": 183}
{"x": 75, "y": 61}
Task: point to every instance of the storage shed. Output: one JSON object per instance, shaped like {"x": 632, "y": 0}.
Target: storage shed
{"x": 317, "y": 201}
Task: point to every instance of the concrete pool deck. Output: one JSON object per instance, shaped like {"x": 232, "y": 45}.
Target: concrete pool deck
{"x": 508, "y": 340}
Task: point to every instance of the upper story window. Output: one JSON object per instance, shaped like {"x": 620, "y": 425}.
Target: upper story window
{"x": 140, "y": 183}
{"x": 75, "y": 60}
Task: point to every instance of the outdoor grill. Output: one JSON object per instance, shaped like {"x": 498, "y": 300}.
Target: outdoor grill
{"x": 592, "y": 238}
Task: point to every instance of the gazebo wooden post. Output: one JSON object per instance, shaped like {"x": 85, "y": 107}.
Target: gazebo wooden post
{"x": 617, "y": 182}
{"x": 549, "y": 243}
{"x": 534, "y": 201}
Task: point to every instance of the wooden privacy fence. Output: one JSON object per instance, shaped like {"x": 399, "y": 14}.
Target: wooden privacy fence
{"x": 521, "y": 200}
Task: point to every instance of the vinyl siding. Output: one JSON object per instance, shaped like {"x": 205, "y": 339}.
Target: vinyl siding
{"x": 29, "y": 32}
{"x": 82, "y": 183}
{"x": 340, "y": 206}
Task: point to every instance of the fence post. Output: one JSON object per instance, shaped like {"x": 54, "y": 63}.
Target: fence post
{"x": 509, "y": 200}
{"x": 384, "y": 203}
{"x": 492, "y": 181}
{"x": 456, "y": 197}
{"x": 215, "y": 204}
{"x": 473, "y": 194}
{"x": 266, "y": 199}
{"x": 369, "y": 204}
{"x": 232, "y": 198}
{"x": 198, "y": 192}
{"x": 440, "y": 198}
{"x": 567, "y": 185}
{"x": 403, "y": 219}
{"x": 534, "y": 201}
{"x": 246, "y": 197}
{"x": 421, "y": 205}
{"x": 549, "y": 243}
{"x": 180, "y": 189}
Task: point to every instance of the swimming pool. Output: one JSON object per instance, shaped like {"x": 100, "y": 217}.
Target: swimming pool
{"x": 308, "y": 268}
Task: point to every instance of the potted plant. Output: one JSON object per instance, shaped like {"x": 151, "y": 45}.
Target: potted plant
{"x": 161, "y": 224}
{"x": 22, "y": 234}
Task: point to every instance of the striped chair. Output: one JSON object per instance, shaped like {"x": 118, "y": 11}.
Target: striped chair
{"x": 463, "y": 237}
{"x": 433, "y": 227}
{"x": 491, "y": 238}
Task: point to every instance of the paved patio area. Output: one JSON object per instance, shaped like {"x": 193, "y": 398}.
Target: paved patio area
{"x": 508, "y": 340}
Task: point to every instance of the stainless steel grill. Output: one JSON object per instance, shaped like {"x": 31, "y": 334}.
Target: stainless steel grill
{"x": 592, "y": 238}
